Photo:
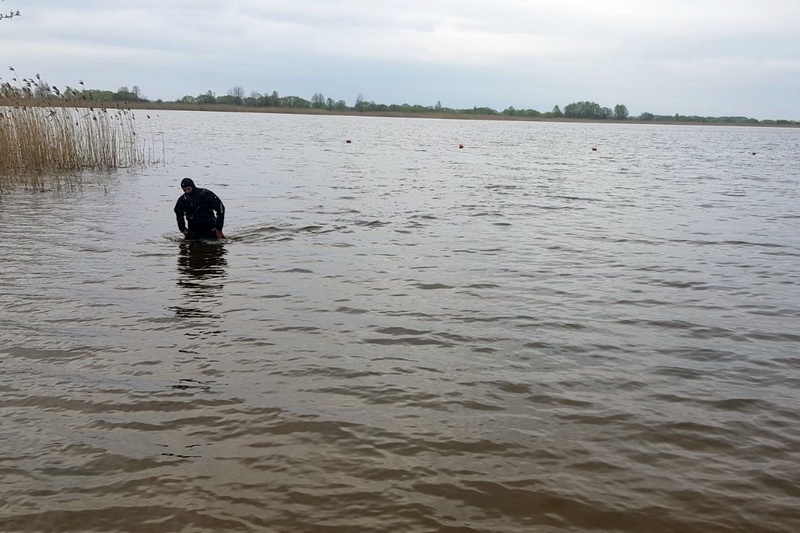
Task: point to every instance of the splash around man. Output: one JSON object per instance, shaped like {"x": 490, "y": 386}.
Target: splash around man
{"x": 202, "y": 210}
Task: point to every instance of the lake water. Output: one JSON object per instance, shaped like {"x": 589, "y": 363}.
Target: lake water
{"x": 526, "y": 334}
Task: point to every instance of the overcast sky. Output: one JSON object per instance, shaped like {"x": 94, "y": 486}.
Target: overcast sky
{"x": 693, "y": 57}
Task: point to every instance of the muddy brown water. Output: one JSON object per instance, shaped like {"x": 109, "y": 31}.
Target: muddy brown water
{"x": 400, "y": 335}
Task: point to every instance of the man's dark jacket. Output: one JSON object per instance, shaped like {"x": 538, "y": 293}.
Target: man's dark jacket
{"x": 203, "y": 210}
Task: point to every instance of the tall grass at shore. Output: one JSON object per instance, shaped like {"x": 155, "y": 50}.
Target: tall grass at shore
{"x": 46, "y": 136}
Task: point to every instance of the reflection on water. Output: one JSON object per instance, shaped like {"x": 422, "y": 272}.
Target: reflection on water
{"x": 201, "y": 261}
{"x": 202, "y": 267}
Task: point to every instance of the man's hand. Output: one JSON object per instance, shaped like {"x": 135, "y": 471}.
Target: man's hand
{"x": 185, "y": 232}
{"x": 218, "y": 233}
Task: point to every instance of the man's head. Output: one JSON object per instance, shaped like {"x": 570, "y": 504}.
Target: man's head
{"x": 187, "y": 185}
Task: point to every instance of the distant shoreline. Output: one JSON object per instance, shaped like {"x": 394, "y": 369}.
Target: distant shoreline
{"x": 226, "y": 108}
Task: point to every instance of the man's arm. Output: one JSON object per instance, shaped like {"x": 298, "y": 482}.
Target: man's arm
{"x": 219, "y": 207}
{"x": 180, "y": 217}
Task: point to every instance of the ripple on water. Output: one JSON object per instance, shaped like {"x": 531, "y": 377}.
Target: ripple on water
{"x": 521, "y": 336}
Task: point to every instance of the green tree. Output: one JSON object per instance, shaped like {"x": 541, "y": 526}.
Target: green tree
{"x": 361, "y": 105}
{"x": 270, "y": 100}
{"x": 591, "y": 110}
{"x": 123, "y": 94}
{"x": 482, "y": 111}
{"x": 293, "y": 101}
{"x": 318, "y": 101}
{"x": 228, "y": 100}
{"x": 235, "y": 96}
{"x": 208, "y": 98}
{"x": 254, "y": 100}
{"x": 556, "y": 112}
{"x": 646, "y": 116}
{"x": 620, "y": 112}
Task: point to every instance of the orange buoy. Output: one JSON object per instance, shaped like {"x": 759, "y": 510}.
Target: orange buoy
{"x": 461, "y": 146}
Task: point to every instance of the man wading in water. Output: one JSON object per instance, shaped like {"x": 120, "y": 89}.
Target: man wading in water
{"x": 202, "y": 209}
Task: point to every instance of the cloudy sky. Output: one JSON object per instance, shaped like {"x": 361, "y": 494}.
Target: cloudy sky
{"x": 693, "y": 57}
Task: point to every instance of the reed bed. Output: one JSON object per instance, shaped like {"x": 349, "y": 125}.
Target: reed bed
{"x": 52, "y": 138}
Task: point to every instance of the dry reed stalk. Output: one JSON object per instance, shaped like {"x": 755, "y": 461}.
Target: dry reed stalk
{"x": 51, "y": 142}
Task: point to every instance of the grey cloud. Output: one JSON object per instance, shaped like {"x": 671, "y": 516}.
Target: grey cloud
{"x": 711, "y": 57}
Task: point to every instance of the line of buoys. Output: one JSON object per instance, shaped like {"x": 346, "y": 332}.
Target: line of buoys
{"x": 461, "y": 147}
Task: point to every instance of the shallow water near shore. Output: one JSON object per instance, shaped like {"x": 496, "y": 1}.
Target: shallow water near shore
{"x": 559, "y": 327}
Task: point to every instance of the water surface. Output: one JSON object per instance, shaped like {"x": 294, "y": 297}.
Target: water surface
{"x": 525, "y": 334}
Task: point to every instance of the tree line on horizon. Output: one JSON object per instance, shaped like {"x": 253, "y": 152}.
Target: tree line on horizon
{"x": 583, "y": 110}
